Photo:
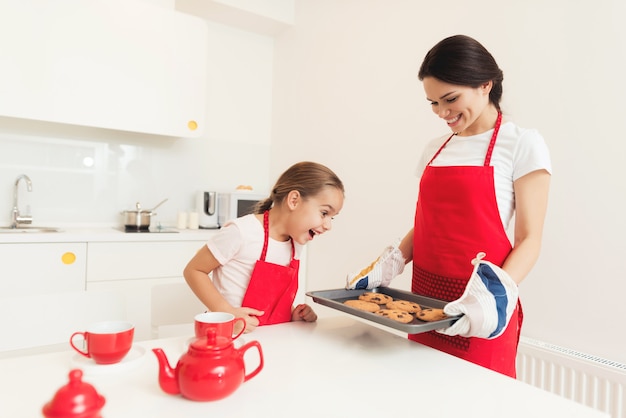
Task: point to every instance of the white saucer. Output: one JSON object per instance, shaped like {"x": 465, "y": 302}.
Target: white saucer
{"x": 88, "y": 366}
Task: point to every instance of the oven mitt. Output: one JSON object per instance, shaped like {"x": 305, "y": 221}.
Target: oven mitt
{"x": 487, "y": 302}
{"x": 380, "y": 272}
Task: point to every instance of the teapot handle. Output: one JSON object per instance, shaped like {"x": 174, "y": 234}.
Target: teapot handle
{"x": 243, "y": 349}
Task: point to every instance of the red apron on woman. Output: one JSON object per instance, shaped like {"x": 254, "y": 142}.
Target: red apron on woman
{"x": 457, "y": 217}
{"x": 272, "y": 287}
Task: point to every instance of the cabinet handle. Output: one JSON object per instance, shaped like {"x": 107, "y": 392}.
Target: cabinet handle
{"x": 68, "y": 258}
{"x": 192, "y": 125}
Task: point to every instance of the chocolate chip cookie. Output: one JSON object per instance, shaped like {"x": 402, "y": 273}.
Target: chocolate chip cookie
{"x": 362, "y": 305}
{"x": 431, "y": 314}
{"x": 404, "y": 305}
{"x": 396, "y": 315}
{"x": 379, "y": 298}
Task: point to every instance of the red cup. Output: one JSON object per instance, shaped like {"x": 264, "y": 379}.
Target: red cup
{"x": 222, "y": 322}
{"x": 106, "y": 342}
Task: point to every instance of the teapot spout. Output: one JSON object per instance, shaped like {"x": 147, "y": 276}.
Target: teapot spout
{"x": 167, "y": 375}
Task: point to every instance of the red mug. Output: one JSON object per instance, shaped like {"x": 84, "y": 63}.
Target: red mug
{"x": 222, "y": 322}
{"x": 106, "y": 342}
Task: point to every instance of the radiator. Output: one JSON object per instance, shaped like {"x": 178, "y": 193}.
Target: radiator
{"x": 589, "y": 380}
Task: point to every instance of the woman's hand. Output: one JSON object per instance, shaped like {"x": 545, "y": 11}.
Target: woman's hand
{"x": 303, "y": 312}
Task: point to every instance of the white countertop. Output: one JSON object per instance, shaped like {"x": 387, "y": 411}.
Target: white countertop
{"x": 337, "y": 367}
{"x": 105, "y": 234}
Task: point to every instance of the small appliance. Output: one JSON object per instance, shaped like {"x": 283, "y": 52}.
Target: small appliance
{"x": 236, "y": 204}
{"x": 216, "y": 208}
{"x": 207, "y": 210}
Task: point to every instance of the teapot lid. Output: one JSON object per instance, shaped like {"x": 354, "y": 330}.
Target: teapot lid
{"x": 211, "y": 342}
{"x": 77, "y": 399}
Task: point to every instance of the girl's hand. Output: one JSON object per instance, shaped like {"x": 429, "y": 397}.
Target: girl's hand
{"x": 303, "y": 312}
{"x": 250, "y": 316}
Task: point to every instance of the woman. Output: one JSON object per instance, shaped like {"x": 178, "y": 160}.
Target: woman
{"x": 472, "y": 182}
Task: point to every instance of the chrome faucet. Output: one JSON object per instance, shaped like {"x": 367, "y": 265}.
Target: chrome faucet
{"x": 16, "y": 218}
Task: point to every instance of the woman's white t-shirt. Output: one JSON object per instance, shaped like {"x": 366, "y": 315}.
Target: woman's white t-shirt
{"x": 517, "y": 152}
{"x": 237, "y": 246}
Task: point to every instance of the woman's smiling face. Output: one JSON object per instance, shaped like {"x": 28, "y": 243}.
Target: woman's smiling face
{"x": 462, "y": 107}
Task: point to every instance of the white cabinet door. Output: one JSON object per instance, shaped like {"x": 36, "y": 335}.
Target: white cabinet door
{"x": 41, "y": 268}
{"x": 135, "y": 270}
{"x": 117, "y": 64}
{"x": 109, "y": 261}
{"x": 137, "y": 295}
{"x": 55, "y": 317}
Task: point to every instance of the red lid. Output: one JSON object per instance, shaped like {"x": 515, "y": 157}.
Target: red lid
{"x": 211, "y": 342}
{"x": 77, "y": 399}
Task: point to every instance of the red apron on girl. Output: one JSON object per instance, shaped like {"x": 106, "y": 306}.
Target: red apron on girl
{"x": 456, "y": 218}
{"x": 272, "y": 287}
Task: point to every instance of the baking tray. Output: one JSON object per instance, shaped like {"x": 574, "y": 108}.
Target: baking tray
{"x": 335, "y": 298}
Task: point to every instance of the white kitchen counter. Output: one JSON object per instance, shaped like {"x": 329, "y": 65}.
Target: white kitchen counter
{"x": 104, "y": 234}
{"x": 337, "y": 367}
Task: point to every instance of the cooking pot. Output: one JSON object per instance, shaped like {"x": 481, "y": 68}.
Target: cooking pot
{"x": 139, "y": 218}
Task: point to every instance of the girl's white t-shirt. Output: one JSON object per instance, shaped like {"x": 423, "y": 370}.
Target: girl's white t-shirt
{"x": 517, "y": 152}
{"x": 237, "y": 246}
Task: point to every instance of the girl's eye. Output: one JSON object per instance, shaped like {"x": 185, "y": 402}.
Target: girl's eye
{"x": 434, "y": 103}
{"x": 452, "y": 100}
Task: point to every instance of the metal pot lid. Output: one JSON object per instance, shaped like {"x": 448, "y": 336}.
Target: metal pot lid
{"x": 146, "y": 211}
{"x": 137, "y": 210}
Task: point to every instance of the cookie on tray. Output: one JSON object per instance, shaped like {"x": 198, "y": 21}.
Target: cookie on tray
{"x": 431, "y": 314}
{"x": 375, "y": 297}
{"x": 362, "y": 305}
{"x": 404, "y": 305}
{"x": 396, "y": 315}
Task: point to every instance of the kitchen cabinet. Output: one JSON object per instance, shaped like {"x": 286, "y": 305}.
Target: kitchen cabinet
{"x": 113, "y": 261}
{"x": 135, "y": 269}
{"x": 145, "y": 269}
{"x": 115, "y": 64}
{"x": 42, "y": 268}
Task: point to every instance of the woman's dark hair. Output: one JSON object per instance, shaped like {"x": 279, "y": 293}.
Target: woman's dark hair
{"x": 306, "y": 177}
{"x": 463, "y": 61}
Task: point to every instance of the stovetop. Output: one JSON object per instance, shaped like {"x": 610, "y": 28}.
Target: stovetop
{"x": 154, "y": 230}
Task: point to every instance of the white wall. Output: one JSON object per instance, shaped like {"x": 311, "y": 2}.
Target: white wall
{"x": 127, "y": 168}
{"x": 347, "y": 95}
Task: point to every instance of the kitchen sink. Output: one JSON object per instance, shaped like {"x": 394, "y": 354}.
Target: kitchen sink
{"x": 27, "y": 229}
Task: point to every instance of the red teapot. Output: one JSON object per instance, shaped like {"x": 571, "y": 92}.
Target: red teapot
{"x": 211, "y": 369}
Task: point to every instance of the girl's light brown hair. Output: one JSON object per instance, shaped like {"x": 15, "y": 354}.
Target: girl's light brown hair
{"x": 307, "y": 177}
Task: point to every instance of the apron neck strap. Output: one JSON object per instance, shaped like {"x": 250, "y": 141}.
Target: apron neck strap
{"x": 492, "y": 143}
{"x": 266, "y": 231}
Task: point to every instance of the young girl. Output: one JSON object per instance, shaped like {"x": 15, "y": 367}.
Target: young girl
{"x": 254, "y": 259}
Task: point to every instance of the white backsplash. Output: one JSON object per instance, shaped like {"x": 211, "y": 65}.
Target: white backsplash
{"x": 87, "y": 176}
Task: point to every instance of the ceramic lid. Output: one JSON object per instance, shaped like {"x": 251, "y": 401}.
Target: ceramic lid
{"x": 211, "y": 342}
{"x": 77, "y": 399}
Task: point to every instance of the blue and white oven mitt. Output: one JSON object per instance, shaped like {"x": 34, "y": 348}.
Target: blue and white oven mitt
{"x": 487, "y": 303}
{"x": 380, "y": 273}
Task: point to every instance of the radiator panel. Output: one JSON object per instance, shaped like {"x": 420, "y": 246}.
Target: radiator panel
{"x": 589, "y": 380}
